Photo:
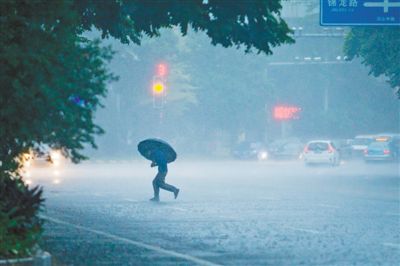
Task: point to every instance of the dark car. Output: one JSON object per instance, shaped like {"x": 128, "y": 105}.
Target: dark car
{"x": 286, "y": 149}
{"x": 250, "y": 151}
{"x": 381, "y": 151}
{"x": 344, "y": 147}
{"x": 360, "y": 143}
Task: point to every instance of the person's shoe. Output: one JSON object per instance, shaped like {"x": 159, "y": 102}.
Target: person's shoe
{"x": 176, "y": 192}
{"x": 155, "y": 199}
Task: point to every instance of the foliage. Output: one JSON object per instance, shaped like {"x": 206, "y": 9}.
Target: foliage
{"x": 46, "y": 66}
{"x": 379, "y": 49}
{"x": 253, "y": 24}
{"x": 44, "y": 63}
{"x": 20, "y": 226}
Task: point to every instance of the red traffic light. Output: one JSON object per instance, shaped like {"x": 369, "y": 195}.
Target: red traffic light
{"x": 161, "y": 69}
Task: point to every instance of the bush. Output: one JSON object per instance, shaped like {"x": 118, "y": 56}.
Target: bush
{"x": 20, "y": 224}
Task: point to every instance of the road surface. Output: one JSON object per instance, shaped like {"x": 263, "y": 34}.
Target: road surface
{"x": 228, "y": 213}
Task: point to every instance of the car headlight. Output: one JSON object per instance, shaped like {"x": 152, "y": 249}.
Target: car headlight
{"x": 55, "y": 157}
{"x": 263, "y": 155}
{"x": 26, "y": 159}
{"x": 27, "y": 164}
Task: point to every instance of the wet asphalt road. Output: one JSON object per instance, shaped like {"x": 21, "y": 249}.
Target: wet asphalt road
{"x": 228, "y": 213}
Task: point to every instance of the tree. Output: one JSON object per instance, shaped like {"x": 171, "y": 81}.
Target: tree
{"x": 253, "y": 24}
{"x": 53, "y": 79}
{"x": 47, "y": 61}
{"x": 379, "y": 49}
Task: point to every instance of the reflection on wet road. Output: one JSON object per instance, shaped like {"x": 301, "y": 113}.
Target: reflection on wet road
{"x": 228, "y": 212}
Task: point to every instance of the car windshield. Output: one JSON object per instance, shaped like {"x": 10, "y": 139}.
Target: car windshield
{"x": 318, "y": 146}
{"x": 378, "y": 145}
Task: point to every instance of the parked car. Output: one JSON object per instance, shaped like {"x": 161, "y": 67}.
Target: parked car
{"x": 250, "y": 151}
{"x": 286, "y": 149}
{"x": 344, "y": 147}
{"x": 44, "y": 158}
{"x": 321, "y": 152}
{"x": 381, "y": 151}
{"x": 360, "y": 143}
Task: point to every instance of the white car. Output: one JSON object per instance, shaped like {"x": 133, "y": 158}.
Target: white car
{"x": 321, "y": 152}
{"x": 50, "y": 157}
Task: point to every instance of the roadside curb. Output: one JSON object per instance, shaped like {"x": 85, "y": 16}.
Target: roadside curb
{"x": 41, "y": 259}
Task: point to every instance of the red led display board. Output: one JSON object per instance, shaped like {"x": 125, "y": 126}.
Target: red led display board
{"x": 284, "y": 112}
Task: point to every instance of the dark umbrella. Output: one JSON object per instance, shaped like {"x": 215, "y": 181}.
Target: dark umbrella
{"x": 148, "y": 147}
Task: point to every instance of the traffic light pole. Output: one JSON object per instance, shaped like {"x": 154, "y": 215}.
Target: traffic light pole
{"x": 159, "y": 91}
{"x": 283, "y": 129}
{"x": 161, "y": 117}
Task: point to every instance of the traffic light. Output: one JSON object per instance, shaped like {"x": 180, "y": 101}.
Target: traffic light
{"x": 158, "y": 88}
{"x": 159, "y": 91}
{"x": 161, "y": 70}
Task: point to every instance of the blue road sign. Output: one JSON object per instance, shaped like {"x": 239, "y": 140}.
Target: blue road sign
{"x": 360, "y": 12}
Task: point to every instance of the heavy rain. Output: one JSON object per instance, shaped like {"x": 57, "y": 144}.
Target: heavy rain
{"x": 251, "y": 157}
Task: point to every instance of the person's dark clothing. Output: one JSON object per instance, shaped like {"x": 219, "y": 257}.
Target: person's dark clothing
{"x": 159, "y": 180}
{"x": 161, "y": 161}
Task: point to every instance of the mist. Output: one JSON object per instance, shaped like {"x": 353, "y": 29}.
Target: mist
{"x": 218, "y": 97}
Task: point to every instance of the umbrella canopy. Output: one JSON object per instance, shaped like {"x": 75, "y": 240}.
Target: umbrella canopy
{"x": 148, "y": 147}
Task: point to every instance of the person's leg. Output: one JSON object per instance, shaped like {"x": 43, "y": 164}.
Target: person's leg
{"x": 168, "y": 187}
{"x": 156, "y": 187}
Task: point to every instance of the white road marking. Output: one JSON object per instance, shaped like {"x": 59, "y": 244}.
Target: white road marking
{"x": 393, "y": 213}
{"x": 304, "y": 230}
{"x": 227, "y": 218}
{"x": 177, "y": 209}
{"x": 131, "y": 200}
{"x": 223, "y": 217}
{"x": 135, "y": 243}
{"x": 392, "y": 245}
{"x": 268, "y": 198}
{"x": 328, "y": 206}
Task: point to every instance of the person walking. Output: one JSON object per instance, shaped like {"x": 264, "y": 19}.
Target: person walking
{"x": 160, "y": 160}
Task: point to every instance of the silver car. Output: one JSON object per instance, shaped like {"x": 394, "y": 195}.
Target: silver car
{"x": 321, "y": 152}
